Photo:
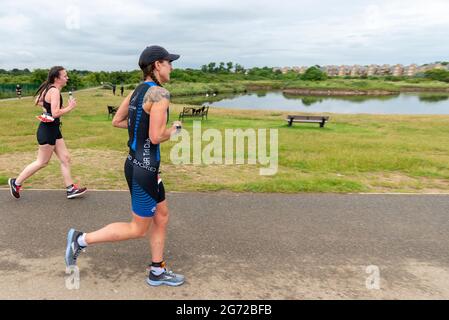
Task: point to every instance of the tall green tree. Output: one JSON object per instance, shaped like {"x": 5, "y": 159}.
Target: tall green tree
{"x": 211, "y": 67}
{"x": 239, "y": 68}
{"x": 229, "y": 66}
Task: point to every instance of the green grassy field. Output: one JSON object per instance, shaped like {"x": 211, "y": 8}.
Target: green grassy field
{"x": 353, "y": 153}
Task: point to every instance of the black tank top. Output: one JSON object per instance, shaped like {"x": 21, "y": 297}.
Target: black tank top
{"x": 47, "y": 107}
{"x": 141, "y": 148}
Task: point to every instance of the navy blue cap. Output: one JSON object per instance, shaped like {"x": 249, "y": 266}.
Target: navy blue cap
{"x": 155, "y": 53}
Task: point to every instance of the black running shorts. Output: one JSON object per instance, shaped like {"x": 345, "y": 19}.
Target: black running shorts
{"x": 48, "y": 134}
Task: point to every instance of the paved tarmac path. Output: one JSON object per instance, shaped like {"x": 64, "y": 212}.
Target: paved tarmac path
{"x": 234, "y": 246}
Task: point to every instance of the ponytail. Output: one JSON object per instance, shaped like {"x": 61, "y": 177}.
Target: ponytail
{"x": 149, "y": 71}
{"x": 42, "y": 88}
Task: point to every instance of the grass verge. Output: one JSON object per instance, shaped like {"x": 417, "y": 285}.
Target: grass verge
{"x": 353, "y": 153}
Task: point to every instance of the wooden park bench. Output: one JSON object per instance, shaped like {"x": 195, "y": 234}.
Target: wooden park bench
{"x": 194, "y": 112}
{"x": 112, "y": 110}
{"x": 307, "y": 119}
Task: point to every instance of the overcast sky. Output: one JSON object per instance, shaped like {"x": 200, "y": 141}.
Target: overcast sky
{"x": 110, "y": 34}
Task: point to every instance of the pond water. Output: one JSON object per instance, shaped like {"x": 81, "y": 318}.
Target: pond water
{"x": 404, "y": 103}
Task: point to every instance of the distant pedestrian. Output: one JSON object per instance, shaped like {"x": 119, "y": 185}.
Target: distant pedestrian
{"x": 19, "y": 91}
{"x": 122, "y": 89}
{"x": 113, "y": 89}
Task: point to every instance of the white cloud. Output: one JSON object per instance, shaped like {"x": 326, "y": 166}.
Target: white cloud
{"x": 17, "y": 22}
{"x": 111, "y": 34}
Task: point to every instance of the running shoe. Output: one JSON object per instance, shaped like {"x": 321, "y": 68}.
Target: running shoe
{"x": 73, "y": 249}
{"x": 168, "y": 278}
{"x": 13, "y": 188}
{"x": 75, "y": 192}
{"x": 45, "y": 117}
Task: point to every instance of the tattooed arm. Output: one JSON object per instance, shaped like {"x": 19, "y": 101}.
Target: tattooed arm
{"x": 154, "y": 95}
{"x": 156, "y": 103}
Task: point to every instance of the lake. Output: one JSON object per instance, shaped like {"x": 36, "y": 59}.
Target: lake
{"x": 404, "y": 103}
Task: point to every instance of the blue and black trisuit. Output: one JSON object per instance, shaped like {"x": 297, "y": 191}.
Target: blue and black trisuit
{"x": 142, "y": 164}
{"x": 49, "y": 132}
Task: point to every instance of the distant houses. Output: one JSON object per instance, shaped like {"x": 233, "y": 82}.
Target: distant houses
{"x": 331, "y": 71}
{"x": 397, "y": 70}
{"x": 411, "y": 70}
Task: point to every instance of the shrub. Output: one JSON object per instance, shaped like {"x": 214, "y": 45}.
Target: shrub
{"x": 437, "y": 74}
{"x": 314, "y": 74}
